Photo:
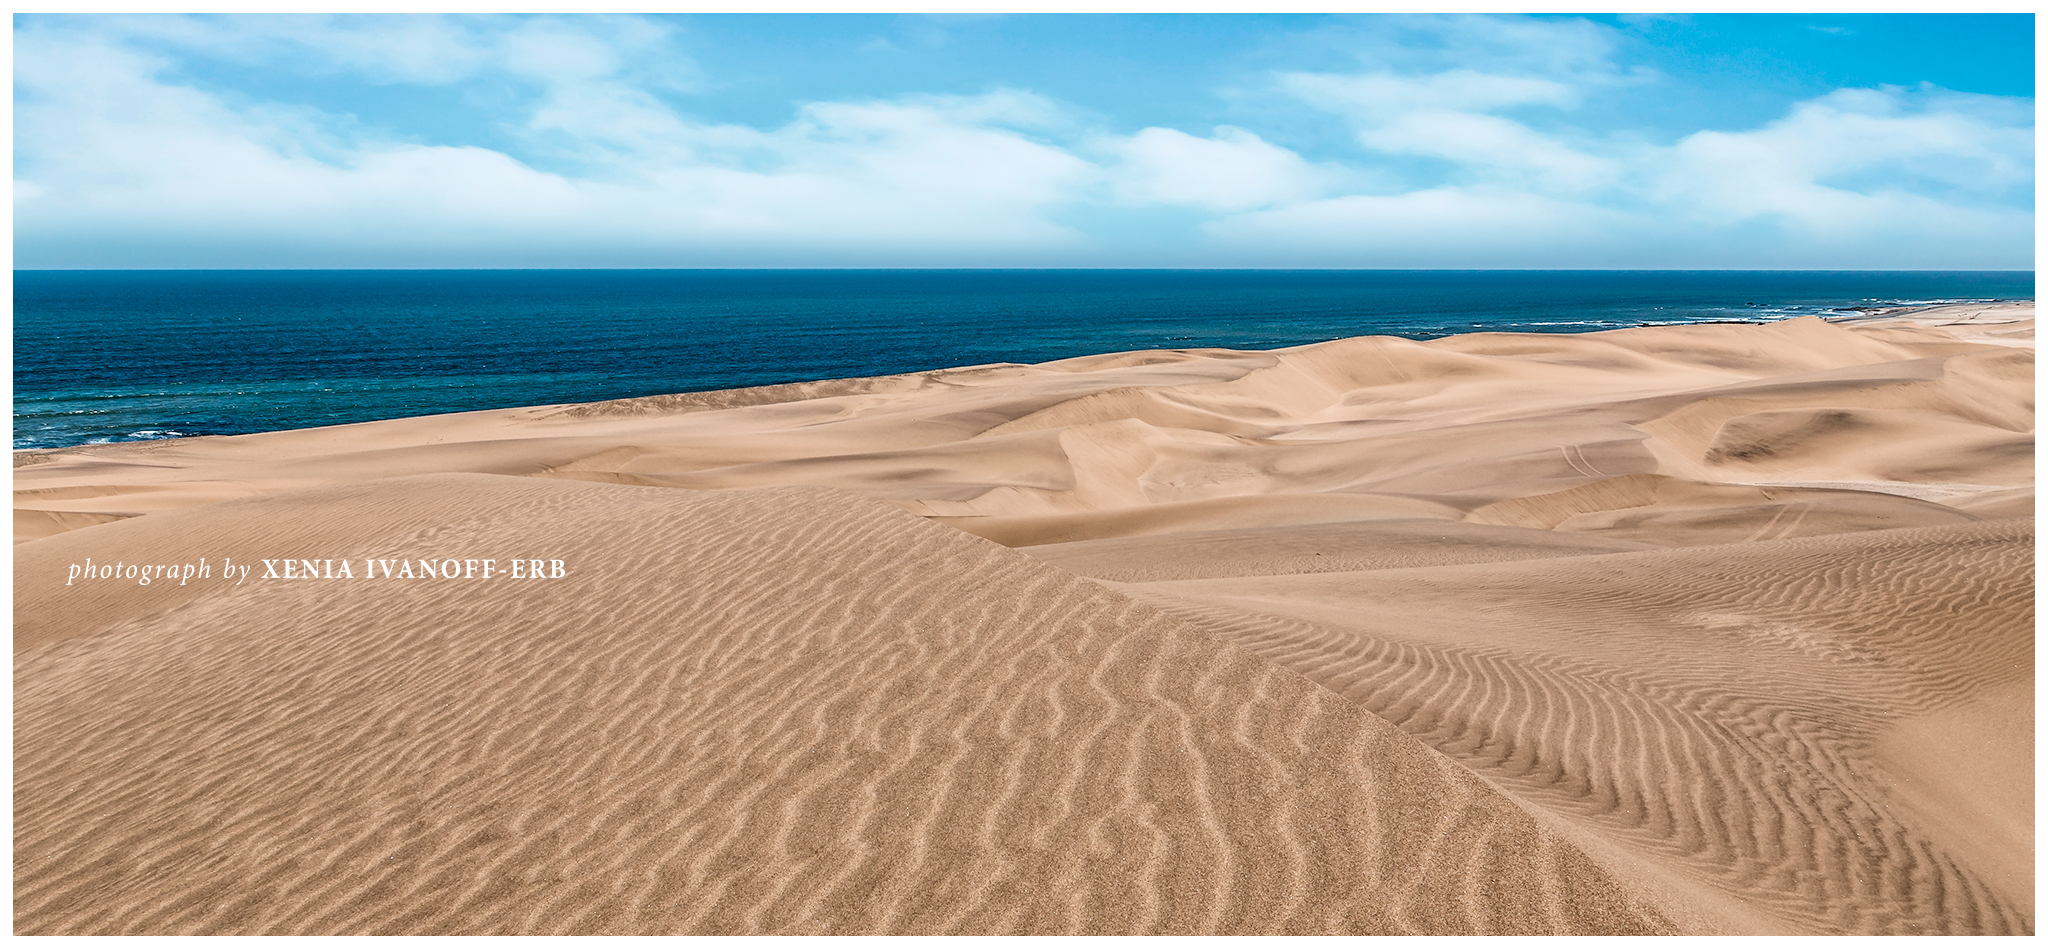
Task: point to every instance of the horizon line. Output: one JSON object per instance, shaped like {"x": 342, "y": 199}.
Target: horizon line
{"x": 1035, "y": 269}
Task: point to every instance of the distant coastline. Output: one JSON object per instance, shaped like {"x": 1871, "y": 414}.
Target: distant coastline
{"x": 135, "y": 355}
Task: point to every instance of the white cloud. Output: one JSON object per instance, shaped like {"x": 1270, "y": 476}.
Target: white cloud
{"x": 1437, "y": 108}
{"x": 1381, "y": 95}
{"x": 1491, "y": 145}
{"x": 1919, "y": 178}
{"x": 393, "y": 48}
{"x": 1449, "y": 115}
{"x": 1806, "y": 167}
{"x": 1574, "y": 50}
{"x": 559, "y": 52}
{"x": 1829, "y": 185}
{"x": 1234, "y": 171}
{"x": 119, "y": 152}
{"x": 108, "y": 146}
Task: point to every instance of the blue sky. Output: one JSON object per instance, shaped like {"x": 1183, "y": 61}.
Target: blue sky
{"x": 1825, "y": 141}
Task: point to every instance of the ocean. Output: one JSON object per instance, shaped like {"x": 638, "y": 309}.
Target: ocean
{"x": 104, "y": 356}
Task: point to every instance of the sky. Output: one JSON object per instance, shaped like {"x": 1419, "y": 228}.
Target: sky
{"x": 1823, "y": 141}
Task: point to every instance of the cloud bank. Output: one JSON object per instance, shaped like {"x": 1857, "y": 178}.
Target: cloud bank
{"x": 1461, "y": 152}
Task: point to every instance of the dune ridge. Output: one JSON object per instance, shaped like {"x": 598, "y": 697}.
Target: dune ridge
{"x": 1435, "y": 429}
{"x": 1693, "y": 629}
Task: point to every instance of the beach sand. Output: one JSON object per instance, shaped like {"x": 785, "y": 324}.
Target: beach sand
{"x": 1714, "y": 629}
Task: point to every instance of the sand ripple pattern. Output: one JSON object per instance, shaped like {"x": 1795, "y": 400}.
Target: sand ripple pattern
{"x": 1713, "y": 708}
{"x": 775, "y": 711}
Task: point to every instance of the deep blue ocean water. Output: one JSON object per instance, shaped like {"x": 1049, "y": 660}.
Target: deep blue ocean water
{"x": 117, "y": 355}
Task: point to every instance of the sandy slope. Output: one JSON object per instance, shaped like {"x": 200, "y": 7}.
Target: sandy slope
{"x": 783, "y": 710}
{"x": 1716, "y": 628}
{"x": 1722, "y": 712}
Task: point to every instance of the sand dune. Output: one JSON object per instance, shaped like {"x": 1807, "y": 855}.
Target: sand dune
{"x": 1711, "y": 629}
{"x": 1436, "y": 429}
{"x": 1747, "y": 754}
{"x": 781, "y": 710}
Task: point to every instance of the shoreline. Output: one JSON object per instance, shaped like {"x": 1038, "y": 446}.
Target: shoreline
{"x": 2002, "y": 323}
{"x": 1972, "y": 319}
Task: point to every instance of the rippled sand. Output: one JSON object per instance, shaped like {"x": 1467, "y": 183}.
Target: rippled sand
{"x": 1705, "y": 629}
